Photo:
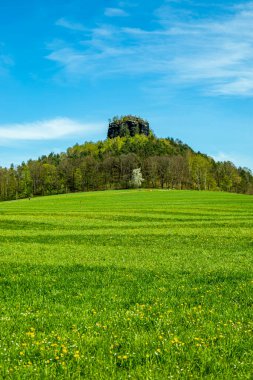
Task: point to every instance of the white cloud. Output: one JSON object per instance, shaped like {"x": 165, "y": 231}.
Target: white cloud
{"x": 221, "y": 156}
{"x": 235, "y": 158}
{"x": 46, "y": 129}
{"x": 115, "y": 12}
{"x": 69, "y": 25}
{"x": 215, "y": 54}
{"x": 69, "y": 58}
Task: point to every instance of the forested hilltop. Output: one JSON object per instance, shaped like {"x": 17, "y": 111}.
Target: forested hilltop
{"x": 109, "y": 164}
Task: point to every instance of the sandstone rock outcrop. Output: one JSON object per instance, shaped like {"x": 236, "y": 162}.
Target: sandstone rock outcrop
{"x": 127, "y": 126}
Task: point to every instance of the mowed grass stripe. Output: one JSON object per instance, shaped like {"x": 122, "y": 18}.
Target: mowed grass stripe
{"x": 127, "y": 284}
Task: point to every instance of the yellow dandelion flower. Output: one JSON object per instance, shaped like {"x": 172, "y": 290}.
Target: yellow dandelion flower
{"x": 175, "y": 340}
{"x": 77, "y": 355}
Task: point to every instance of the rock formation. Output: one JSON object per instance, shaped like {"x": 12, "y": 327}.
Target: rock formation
{"x": 127, "y": 126}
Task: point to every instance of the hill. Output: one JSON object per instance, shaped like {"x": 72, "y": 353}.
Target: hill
{"x": 109, "y": 164}
{"x": 127, "y": 284}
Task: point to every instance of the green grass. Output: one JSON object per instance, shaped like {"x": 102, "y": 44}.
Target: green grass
{"x": 127, "y": 285}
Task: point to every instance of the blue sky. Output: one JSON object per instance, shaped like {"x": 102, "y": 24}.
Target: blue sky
{"x": 67, "y": 66}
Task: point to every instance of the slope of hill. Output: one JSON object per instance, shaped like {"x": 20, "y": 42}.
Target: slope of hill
{"x": 109, "y": 164}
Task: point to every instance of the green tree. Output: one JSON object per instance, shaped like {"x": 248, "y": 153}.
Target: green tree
{"x": 24, "y": 181}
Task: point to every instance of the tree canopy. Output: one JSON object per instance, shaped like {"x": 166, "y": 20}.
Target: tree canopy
{"x": 109, "y": 164}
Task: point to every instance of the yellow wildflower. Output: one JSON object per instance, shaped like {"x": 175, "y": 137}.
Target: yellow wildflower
{"x": 77, "y": 355}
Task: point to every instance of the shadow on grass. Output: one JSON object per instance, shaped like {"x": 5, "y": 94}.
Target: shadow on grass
{"x": 170, "y": 239}
{"x": 72, "y": 285}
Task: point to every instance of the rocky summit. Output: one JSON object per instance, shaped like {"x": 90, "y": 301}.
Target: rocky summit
{"x": 127, "y": 126}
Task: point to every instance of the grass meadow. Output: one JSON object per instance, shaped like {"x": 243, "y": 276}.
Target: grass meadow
{"x": 127, "y": 285}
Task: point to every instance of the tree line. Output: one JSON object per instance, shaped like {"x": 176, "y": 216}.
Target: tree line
{"x": 109, "y": 164}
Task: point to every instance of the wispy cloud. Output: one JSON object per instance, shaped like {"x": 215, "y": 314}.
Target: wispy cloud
{"x": 46, "y": 129}
{"x": 214, "y": 53}
{"x": 221, "y": 156}
{"x": 5, "y": 61}
{"x": 70, "y": 59}
{"x": 63, "y": 22}
{"x": 115, "y": 12}
{"x": 237, "y": 159}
